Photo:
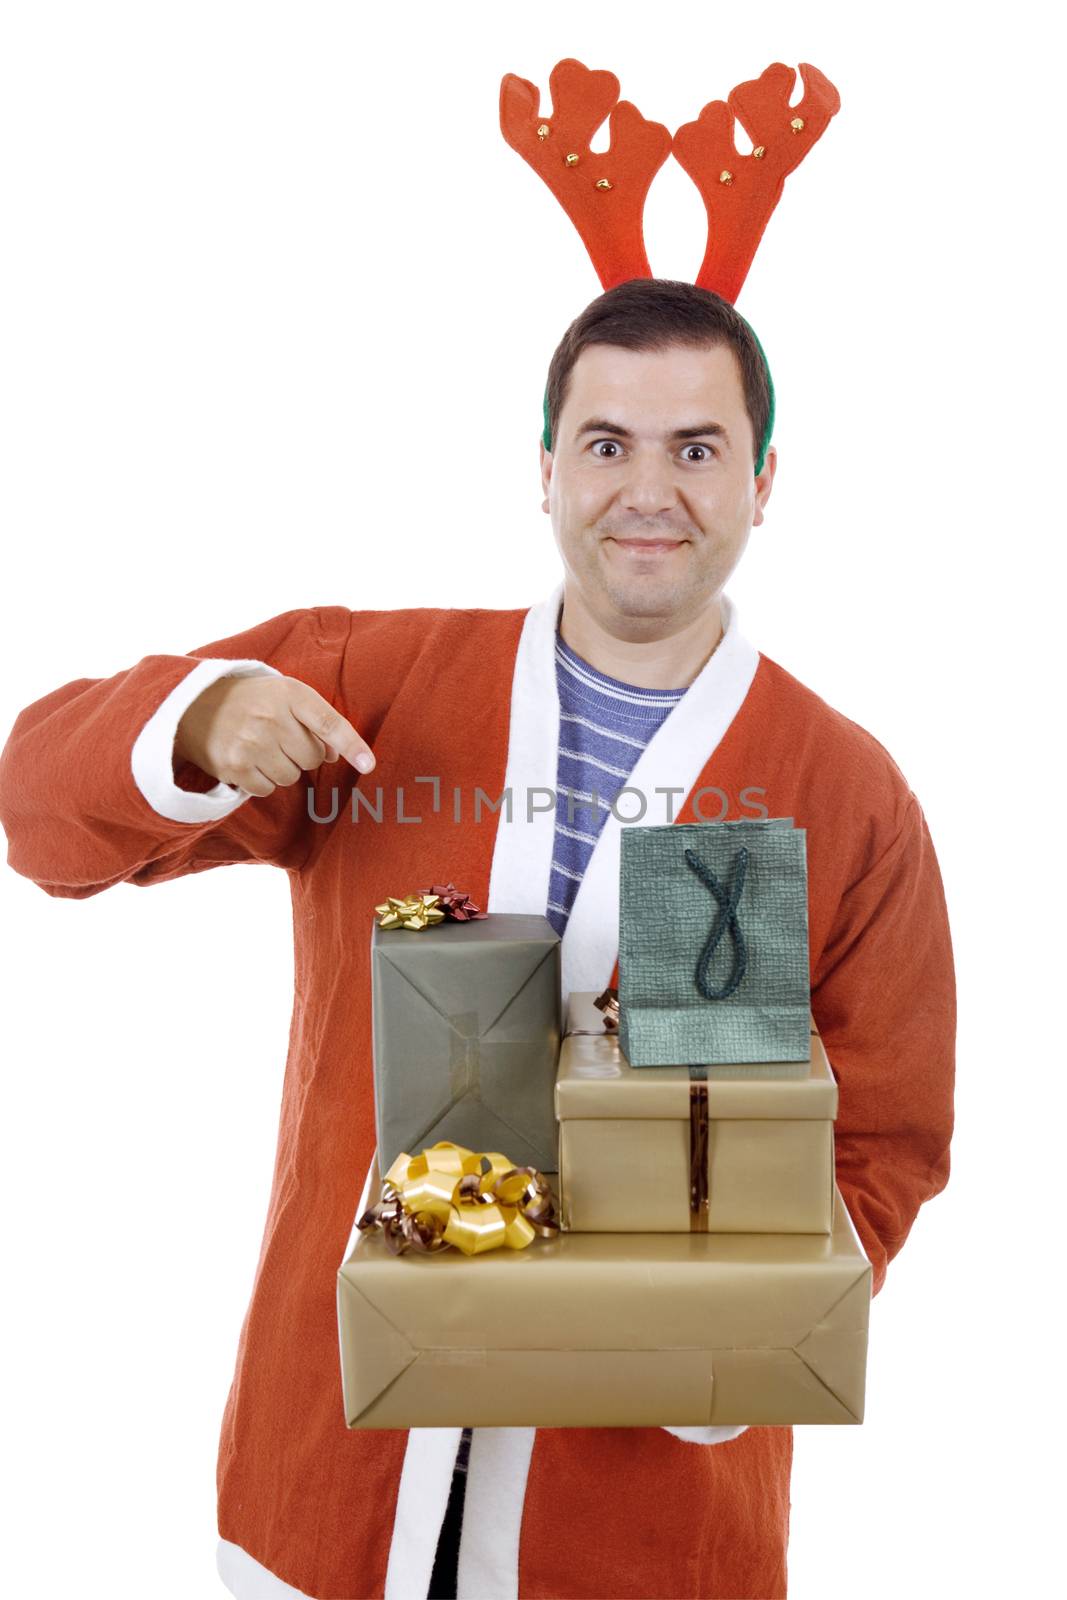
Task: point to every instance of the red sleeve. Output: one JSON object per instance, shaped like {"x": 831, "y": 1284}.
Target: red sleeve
{"x": 76, "y": 821}
{"x": 884, "y": 999}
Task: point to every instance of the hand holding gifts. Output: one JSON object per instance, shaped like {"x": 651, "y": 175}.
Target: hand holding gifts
{"x": 710, "y": 1273}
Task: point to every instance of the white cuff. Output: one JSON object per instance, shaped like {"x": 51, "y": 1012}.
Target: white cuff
{"x": 152, "y": 755}
{"x": 706, "y": 1435}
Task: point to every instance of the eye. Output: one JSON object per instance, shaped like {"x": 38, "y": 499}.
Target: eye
{"x": 612, "y": 444}
{"x": 703, "y": 452}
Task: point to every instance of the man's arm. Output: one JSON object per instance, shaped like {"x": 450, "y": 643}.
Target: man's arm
{"x": 89, "y": 796}
{"x": 884, "y": 999}
{"x": 173, "y": 786}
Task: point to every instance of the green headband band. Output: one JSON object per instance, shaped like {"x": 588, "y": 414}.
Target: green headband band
{"x": 546, "y": 435}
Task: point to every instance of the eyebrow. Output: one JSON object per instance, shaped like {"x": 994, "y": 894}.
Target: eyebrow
{"x": 702, "y": 430}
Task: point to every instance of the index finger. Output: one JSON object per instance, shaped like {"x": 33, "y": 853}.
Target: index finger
{"x": 326, "y": 722}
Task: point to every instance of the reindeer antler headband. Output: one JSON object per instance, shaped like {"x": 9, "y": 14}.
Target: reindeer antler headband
{"x": 604, "y": 193}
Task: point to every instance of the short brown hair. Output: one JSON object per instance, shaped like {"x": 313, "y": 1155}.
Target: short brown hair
{"x": 653, "y": 314}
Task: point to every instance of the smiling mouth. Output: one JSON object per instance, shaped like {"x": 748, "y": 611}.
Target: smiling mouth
{"x": 647, "y": 546}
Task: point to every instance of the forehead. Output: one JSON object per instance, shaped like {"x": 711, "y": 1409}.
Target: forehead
{"x": 656, "y": 390}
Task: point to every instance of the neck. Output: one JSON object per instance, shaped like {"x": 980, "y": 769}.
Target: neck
{"x": 648, "y": 652}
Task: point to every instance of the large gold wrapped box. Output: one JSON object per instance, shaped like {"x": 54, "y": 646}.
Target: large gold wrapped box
{"x": 627, "y": 1142}
{"x": 607, "y": 1330}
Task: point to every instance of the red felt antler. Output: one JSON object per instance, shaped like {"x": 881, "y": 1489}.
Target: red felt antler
{"x": 603, "y": 194}
{"x": 741, "y": 191}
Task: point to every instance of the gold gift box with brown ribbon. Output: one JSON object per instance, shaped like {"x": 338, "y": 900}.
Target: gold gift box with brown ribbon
{"x": 685, "y": 1149}
{"x": 587, "y": 1330}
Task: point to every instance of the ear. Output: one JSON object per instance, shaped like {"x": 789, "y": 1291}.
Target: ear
{"x": 546, "y": 471}
{"x": 764, "y": 483}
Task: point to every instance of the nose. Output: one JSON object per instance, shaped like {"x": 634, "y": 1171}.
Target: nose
{"x": 649, "y": 489}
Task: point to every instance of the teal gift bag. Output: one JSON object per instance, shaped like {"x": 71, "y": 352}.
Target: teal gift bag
{"x": 713, "y": 945}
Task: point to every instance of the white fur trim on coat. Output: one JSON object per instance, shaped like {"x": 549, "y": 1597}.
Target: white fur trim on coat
{"x": 674, "y": 758}
{"x": 522, "y": 865}
{"x": 248, "y": 1579}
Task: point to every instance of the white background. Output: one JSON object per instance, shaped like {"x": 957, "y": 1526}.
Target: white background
{"x": 276, "y": 307}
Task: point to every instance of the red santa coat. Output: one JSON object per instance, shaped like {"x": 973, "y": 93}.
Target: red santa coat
{"x": 469, "y": 697}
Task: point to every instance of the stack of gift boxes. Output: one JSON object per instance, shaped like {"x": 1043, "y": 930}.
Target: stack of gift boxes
{"x": 621, "y": 1217}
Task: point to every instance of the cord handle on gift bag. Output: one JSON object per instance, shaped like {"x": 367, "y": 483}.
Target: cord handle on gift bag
{"x": 726, "y": 920}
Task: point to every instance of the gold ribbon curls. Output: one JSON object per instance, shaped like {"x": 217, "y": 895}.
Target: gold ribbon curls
{"x": 451, "y": 1196}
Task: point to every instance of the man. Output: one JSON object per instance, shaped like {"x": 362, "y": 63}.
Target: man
{"x": 657, "y": 403}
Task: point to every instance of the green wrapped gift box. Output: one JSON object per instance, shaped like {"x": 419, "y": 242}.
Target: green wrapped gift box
{"x": 713, "y": 945}
{"x": 467, "y": 1024}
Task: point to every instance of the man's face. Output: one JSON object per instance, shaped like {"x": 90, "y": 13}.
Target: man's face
{"x": 650, "y": 483}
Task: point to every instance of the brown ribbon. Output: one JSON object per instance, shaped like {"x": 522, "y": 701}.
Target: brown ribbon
{"x": 699, "y": 1135}
{"x": 608, "y": 1004}
{"x": 699, "y": 1127}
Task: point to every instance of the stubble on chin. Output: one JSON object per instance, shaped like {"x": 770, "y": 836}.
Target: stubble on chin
{"x": 649, "y": 600}
{"x": 649, "y": 597}
{"x": 640, "y": 595}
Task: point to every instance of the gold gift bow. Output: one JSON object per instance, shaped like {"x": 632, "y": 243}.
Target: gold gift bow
{"x": 449, "y": 1195}
{"x": 413, "y": 911}
{"x": 425, "y": 907}
{"x": 699, "y": 1128}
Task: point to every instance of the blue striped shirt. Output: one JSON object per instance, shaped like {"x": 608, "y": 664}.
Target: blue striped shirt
{"x": 603, "y": 727}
